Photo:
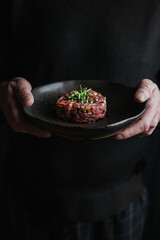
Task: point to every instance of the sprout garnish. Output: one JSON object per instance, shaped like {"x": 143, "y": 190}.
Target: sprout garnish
{"x": 80, "y": 96}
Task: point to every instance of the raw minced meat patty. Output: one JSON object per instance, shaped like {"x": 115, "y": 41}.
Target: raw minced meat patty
{"x": 84, "y": 106}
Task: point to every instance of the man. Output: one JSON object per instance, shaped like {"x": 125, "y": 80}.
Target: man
{"x": 69, "y": 189}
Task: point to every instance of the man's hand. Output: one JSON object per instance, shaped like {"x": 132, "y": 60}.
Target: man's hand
{"x": 151, "y": 117}
{"x": 13, "y": 94}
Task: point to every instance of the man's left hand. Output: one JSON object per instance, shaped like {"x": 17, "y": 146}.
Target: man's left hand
{"x": 145, "y": 126}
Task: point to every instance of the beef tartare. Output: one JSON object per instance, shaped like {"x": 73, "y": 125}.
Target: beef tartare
{"x": 83, "y": 106}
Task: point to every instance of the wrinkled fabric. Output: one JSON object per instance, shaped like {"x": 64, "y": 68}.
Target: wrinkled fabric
{"x": 37, "y": 223}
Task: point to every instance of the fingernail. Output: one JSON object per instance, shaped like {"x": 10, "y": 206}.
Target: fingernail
{"x": 119, "y": 137}
{"x": 141, "y": 96}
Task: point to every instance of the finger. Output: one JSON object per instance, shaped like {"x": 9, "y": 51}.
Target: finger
{"x": 27, "y": 127}
{"x": 153, "y": 126}
{"x": 132, "y": 130}
{"x": 144, "y": 134}
{"x": 17, "y": 121}
{"x": 149, "y": 120}
{"x": 22, "y": 89}
{"x": 142, "y": 126}
{"x": 145, "y": 90}
{"x": 20, "y": 124}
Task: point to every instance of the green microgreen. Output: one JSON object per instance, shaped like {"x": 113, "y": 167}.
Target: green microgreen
{"x": 80, "y": 96}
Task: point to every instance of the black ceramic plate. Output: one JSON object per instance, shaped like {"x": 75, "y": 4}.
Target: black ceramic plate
{"x": 122, "y": 110}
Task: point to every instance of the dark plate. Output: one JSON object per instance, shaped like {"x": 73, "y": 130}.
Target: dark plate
{"x": 122, "y": 110}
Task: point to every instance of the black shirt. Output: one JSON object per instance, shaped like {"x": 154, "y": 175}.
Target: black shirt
{"x": 118, "y": 41}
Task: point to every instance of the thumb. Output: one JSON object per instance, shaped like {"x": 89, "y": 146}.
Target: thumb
{"x": 145, "y": 90}
{"x": 22, "y": 89}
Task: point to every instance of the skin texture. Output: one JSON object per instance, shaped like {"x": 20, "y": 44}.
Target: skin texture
{"x": 17, "y": 92}
{"x": 151, "y": 117}
{"x": 13, "y": 94}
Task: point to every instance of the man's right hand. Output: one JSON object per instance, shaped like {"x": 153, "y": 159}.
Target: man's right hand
{"x": 13, "y": 95}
